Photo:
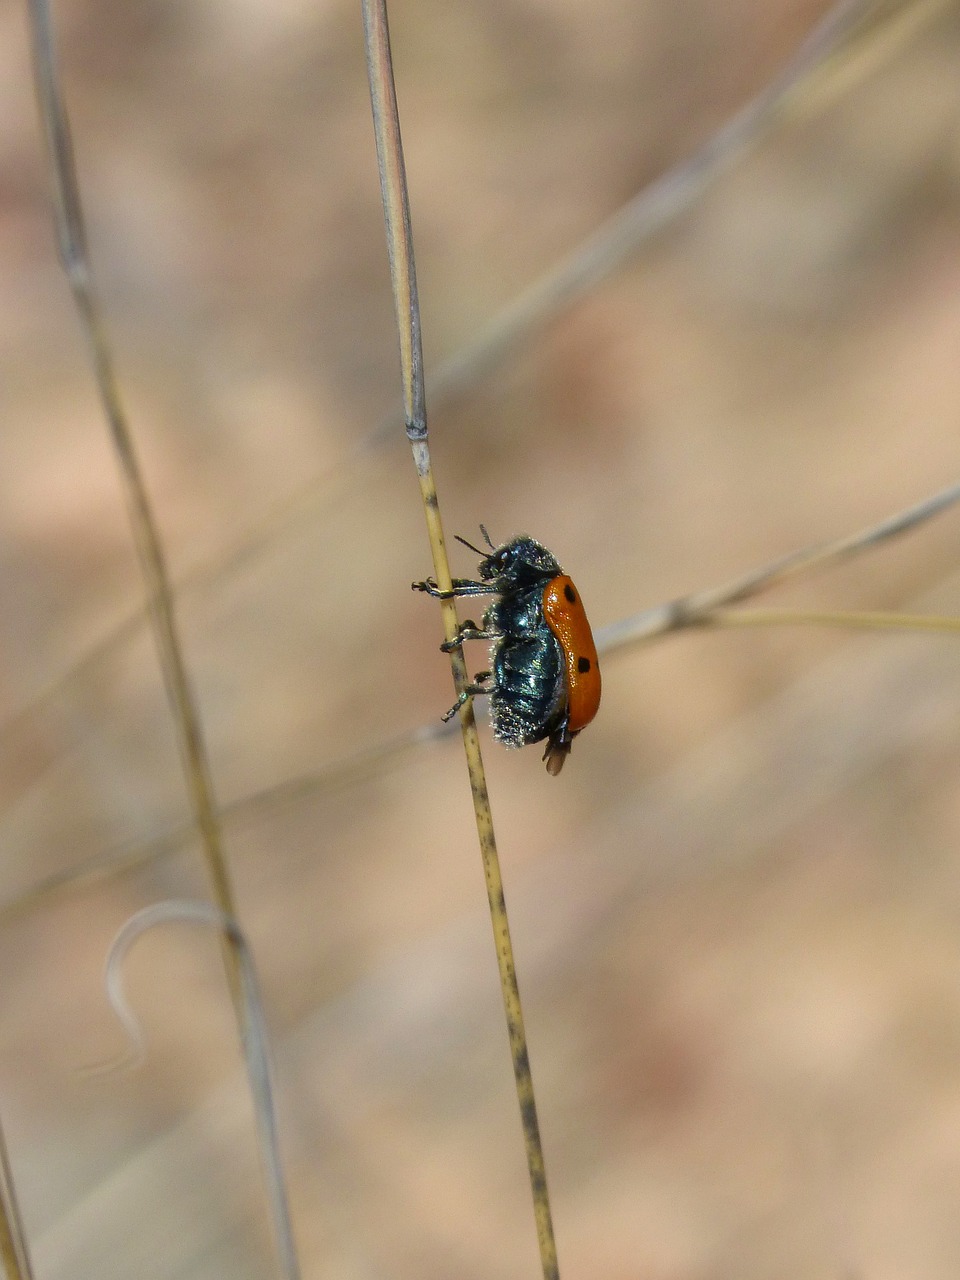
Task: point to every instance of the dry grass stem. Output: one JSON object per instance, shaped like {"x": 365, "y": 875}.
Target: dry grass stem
{"x": 255, "y": 1044}
{"x": 393, "y": 186}
{"x": 695, "y": 610}
{"x": 859, "y": 621}
{"x": 71, "y": 241}
{"x": 844, "y": 30}
{"x": 129, "y": 858}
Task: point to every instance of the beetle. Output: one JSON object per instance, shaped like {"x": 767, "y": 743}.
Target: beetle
{"x": 545, "y": 677}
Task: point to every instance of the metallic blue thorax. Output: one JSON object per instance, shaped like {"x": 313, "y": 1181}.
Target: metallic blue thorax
{"x": 528, "y": 701}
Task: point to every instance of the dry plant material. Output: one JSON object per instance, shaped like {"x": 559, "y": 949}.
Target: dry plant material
{"x": 396, "y": 209}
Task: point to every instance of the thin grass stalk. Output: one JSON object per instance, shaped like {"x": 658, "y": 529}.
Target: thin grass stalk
{"x": 133, "y": 855}
{"x": 396, "y": 209}
{"x": 851, "y": 37}
{"x": 865, "y": 620}
{"x": 695, "y": 609}
{"x": 72, "y": 246}
{"x": 255, "y": 1045}
{"x": 14, "y": 1251}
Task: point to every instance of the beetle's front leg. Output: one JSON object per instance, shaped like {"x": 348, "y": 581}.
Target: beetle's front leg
{"x": 460, "y": 587}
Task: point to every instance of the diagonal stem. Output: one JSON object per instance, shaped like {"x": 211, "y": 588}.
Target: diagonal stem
{"x": 71, "y": 241}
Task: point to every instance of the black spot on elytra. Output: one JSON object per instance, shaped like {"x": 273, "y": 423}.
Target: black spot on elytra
{"x": 569, "y": 592}
{"x": 583, "y": 665}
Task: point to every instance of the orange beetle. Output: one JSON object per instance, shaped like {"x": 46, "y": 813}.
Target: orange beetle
{"x": 545, "y": 677}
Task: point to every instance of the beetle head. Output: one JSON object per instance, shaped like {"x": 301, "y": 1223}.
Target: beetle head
{"x": 521, "y": 562}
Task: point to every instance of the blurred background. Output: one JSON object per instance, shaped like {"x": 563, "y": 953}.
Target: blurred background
{"x": 737, "y": 912}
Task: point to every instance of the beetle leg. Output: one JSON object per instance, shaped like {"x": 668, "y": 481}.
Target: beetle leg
{"x": 558, "y": 747}
{"x": 471, "y": 691}
{"x": 461, "y": 587}
{"x": 468, "y": 631}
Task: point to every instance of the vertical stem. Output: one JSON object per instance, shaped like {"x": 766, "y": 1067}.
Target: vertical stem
{"x": 396, "y": 211}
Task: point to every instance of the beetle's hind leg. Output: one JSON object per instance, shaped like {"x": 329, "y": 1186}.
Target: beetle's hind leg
{"x": 473, "y": 690}
{"x": 558, "y": 748}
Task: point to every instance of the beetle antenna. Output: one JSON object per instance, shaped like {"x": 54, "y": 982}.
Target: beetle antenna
{"x": 486, "y": 537}
{"x": 480, "y": 553}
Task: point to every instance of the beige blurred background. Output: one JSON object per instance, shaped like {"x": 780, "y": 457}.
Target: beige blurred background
{"x": 737, "y": 913}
